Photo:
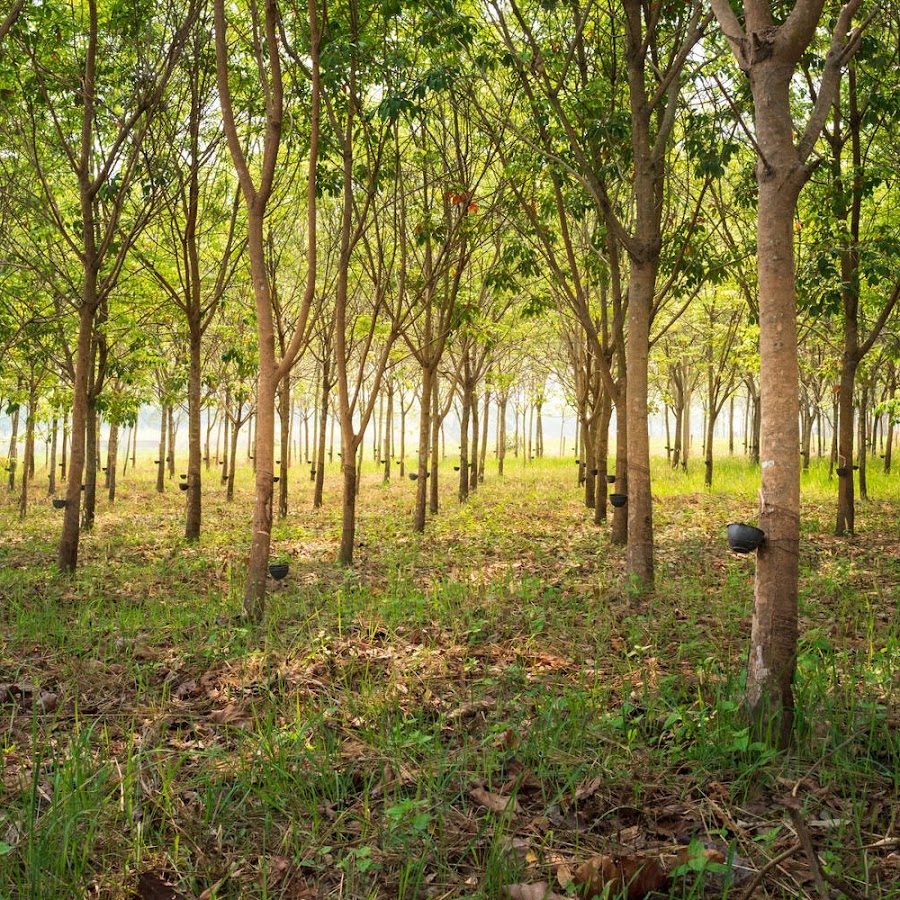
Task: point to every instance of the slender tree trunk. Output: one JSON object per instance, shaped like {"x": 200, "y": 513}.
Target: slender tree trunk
{"x": 90, "y": 463}
{"x": 641, "y": 288}
{"x": 161, "y": 462}
{"x": 863, "y": 454}
{"x": 482, "y": 456}
{"x": 193, "y": 514}
{"x": 686, "y": 428}
{"x": 539, "y": 429}
{"x": 501, "y": 432}
{"x": 54, "y": 429}
{"x": 29, "y": 454}
{"x": 348, "y": 509}
{"x": 226, "y": 438}
{"x": 63, "y": 465}
{"x": 589, "y": 461}
{"x": 387, "y": 434}
{"x": 424, "y": 436}
{"x": 888, "y": 446}
{"x": 602, "y": 455}
{"x": 620, "y": 534}
{"x": 731, "y": 426}
{"x": 68, "y": 544}
{"x": 210, "y": 421}
{"x": 12, "y": 456}
{"x": 473, "y": 465}
{"x": 112, "y": 461}
{"x": 432, "y": 477}
{"x": 846, "y": 506}
{"x": 232, "y": 458}
{"x": 319, "y": 461}
{"x": 170, "y": 458}
{"x": 464, "y": 467}
{"x": 402, "y": 458}
{"x": 708, "y": 449}
{"x": 284, "y": 417}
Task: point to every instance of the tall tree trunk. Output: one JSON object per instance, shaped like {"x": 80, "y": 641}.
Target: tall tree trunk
{"x": 424, "y": 438}
{"x": 482, "y": 456}
{"x": 90, "y": 463}
{"x": 54, "y": 432}
{"x": 473, "y": 465}
{"x": 232, "y": 458}
{"x": 464, "y": 467}
{"x": 161, "y": 462}
{"x": 112, "y": 461}
{"x": 686, "y": 427}
{"x": 731, "y": 426}
{"x": 67, "y": 558}
{"x": 319, "y": 461}
{"x": 29, "y": 454}
{"x": 193, "y": 514}
{"x": 226, "y": 439}
{"x": 63, "y": 465}
{"x": 862, "y": 454}
{"x": 12, "y": 456}
{"x": 284, "y": 416}
{"x": 170, "y": 458}
{"x": 641, "y": 289}
{"x": 602, "y": 455}
{"x": 888, "y": 446}
{"x": 388, "y": 433}
{"x": 708, "y": 449}
{"x": 620, "y": 534}
{"x": 501, "y": 432}
{"x": 432, "y": 477}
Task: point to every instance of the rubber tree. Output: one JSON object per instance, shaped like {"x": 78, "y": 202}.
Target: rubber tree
{"x": 256, "y": 182}
{"x": 193, "y": 251}
{"x": 865, "y": 262}
{"x": 366, "y": 137}
{"x": 768, "y": 48}
{"x": 623, "y": 144}
{"x": 85, "y": 148}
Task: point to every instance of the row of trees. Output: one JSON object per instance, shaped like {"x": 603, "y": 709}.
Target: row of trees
{"x": 369, "y": 182}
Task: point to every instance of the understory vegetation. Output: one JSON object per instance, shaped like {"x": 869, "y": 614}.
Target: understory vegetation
{"x": 478, "y": 711}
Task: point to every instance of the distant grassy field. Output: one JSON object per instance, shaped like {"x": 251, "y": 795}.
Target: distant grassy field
{"x": 471, "y": 712}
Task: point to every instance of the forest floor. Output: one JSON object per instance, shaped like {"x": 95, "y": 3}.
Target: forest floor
{"x": 482, "y": 711}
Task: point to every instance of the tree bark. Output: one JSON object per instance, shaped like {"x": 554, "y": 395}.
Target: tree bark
{"x": 284, "y": 416}
{"x": 112, "y": 461}
{"x": 67, "y": 558}
{"x": 54, "y": 429}
{"x": 482, "y": 455}
{"x": 161, "y": 462}
{"x": 193, "y": 516}
{"x": 12, "y": 456}
{"x": 424, "y": 437}
{"x": 29, "y": 454}
{"x": 501, "y": 432}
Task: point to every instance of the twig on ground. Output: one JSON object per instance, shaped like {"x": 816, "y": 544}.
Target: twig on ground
{"x": 771, "y": 864}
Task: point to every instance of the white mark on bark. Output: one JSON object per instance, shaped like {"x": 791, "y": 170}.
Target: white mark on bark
{"x": 757, "y": 675}
{"x": 768, "y": 463}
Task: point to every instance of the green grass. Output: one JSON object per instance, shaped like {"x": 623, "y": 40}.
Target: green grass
{"x": 333, "y": 751}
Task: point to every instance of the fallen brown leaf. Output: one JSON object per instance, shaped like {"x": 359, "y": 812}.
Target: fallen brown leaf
{"x": 588, "y": 789}
{"x": 494, "y": 802}
{"x": 186, "y": 689}
{"x": 471, "y": 708}
{"x": 233, "y": 714}
{"x": 639, "y": 875}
